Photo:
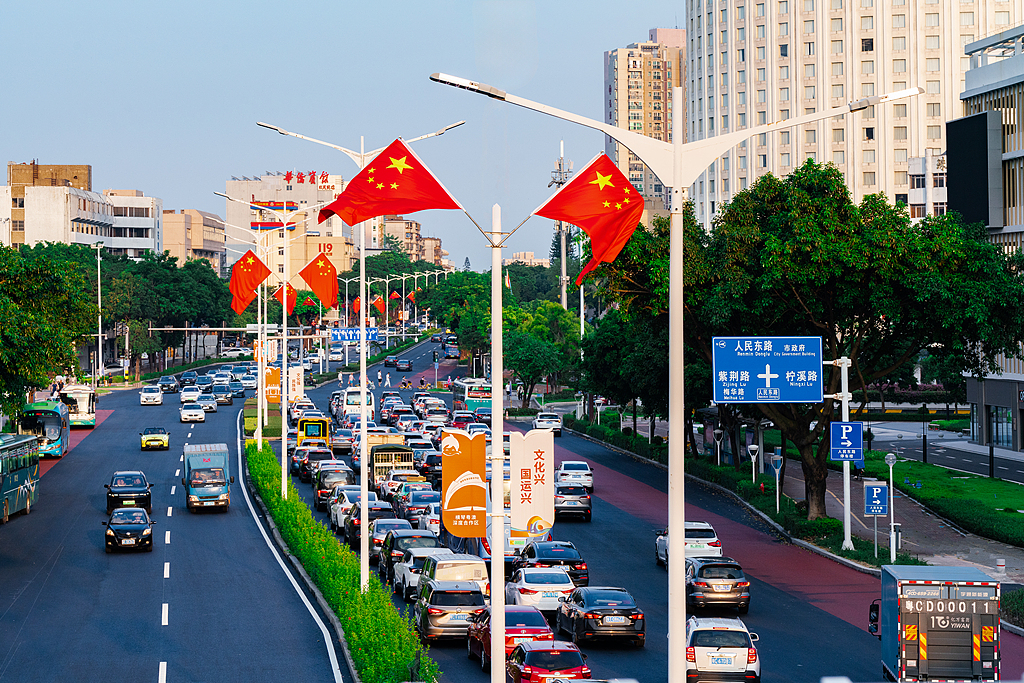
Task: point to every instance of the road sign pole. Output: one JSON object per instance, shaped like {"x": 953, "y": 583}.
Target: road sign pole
{"x": 844, "y": 364}
{"x": 876, "y": 535}
{"x": 890, "y": 460}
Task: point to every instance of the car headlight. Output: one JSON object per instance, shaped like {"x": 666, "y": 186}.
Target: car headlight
{"x": 147, "y": 532}
{"x": 224, "y": 496}
{"x": 193, "y": 499}
{"x": 110, "y": 532}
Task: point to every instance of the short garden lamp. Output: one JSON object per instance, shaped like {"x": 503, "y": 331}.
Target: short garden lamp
{"x": 752, "y": 450}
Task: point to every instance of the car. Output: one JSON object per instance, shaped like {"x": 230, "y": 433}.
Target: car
{"x": 379, "y": 529}
{"x": 443, "y": 608}
{"x": 191, "y": 412}
{"x": 407, "y": 571}
{"x": 462, "y": 419}
{"x": 436, "y": 414}
{"x": 128, "y": 488}
{"x": 326, "y": 480}
{"x": 716, "y": 581}
{"x": 309, "y": 456}
{"x": 128, "y": 528}
{"x": 572, "y": 500}
{"x": 431, "y": 467}
{"x": 342, "y": 440}
{"x": 188, "y": 378}
{"x": 396, "y": 542}
{"x": 155, "y": 437}
{"x": 222, "y": 394}
{"x": 205, "y": 383}
{"x": 375, "y": 509}
{"x": 575, "y": 472}
{"x": 522, "y": 624}
{"x": 394, "y": 479}
{"x": 390, "y": 361}
{"x": 208, "y": 402}
{"x": 414, "y": 503}
{"x": 222, "y": 378}
{"x": 544, "y": 660}
{"x": 168, "y": 384}
{"x": 342, "y": 503}
{"x": 235, "y": 353}
{"x": 483, "y": 416}
{"x": 553, "y": 554}
{"x": 601, "y": 611}
{"x": 249, "y": 381}
{"x": 238, "y": 372}
{"x": 151, "y": 396}
{"x": 436, "y": 338}
{"x": 540, "y": 588}
{"x": 429, "y": 519}
{"x": 552, "y": 421}
{"x": 721, "y": 649}
{"x": 189, "y": 394}
{"x": 403, "y": 365}
{"x": 237, "y": 389}
{"x": 701, "y": 540}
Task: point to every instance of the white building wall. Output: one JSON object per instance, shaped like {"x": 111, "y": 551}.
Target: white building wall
{"x": 5, "y": 215}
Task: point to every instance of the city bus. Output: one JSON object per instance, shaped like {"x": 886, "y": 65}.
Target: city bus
{"x": 19, "y": 473}
{"x": 49, "y": 421}
{"x": 469, "y": 394}
{"x": 451, "y": 350}
{"x": 81, "y": 402}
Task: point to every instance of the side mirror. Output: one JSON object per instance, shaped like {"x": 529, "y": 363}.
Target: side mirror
{"x": 232, "y": 480}
{"x": 106, "y": 486}
{"x": 152, "y": 522}
{"x": 140, "y": 433}
{"x": 561, "y": 598}
{"x": 753, "y": 637}
{"x": 103, "y": 523}
{"x": 150, "y": 485}
{"x": 873, "y": 613}
{"x": 183, "y": 481}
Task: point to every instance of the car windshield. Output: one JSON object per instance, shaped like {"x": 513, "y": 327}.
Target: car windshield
{"x": 554, "y": 660}
{"x": 213, "y": 476}
{"x": 151, "y": 390}
{"x": 547, "y": 416}
{"x": 525, "y": 620}
{"x": 458, "y": 599}
{"x": 407, "y": 542}
{"x": 421, "y": 497}
{"x": 721, "y": 571}
{"x": 547, "y": 577}
{"x": 334, "y": 478}
{"x": 571, "y": 491}
{"x": 387, "y": 524}
{"x": 558, "y": 552}
{"x": 609, "y": 599}
{"x": 128, "y": 480}
{"x": 720, "y": 638}
{"x": 125, "y": 516}
{"x": 155, "y": 430}
{"x": 191, "y": 406}
{"x": 700, "y": 533}
{"x": 576, "y": 466}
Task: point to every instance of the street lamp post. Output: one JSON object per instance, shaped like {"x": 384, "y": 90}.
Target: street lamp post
{"x": 665, "y": 159}
{"x": 890, "y": 460}
{"x": 98, "y": 363}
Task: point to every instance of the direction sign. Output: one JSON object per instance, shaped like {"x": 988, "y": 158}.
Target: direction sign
{"x": 767, "y": 369}
{"x": 352, "y": 334}
{"x": 847, "y": 441}
{"x": 876, "y": 499}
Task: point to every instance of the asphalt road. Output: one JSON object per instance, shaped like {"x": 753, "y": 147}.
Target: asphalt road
{"x": 209, "y": 603}
{"x": 942, "y": 451}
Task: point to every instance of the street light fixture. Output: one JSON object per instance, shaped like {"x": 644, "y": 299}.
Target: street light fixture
{"x": 98, "y": 365}
{"x": 890, "y": 460}
{"x": 752, "y": 450}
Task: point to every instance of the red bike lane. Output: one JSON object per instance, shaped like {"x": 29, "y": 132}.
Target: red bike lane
{"x": 77, "y": 436}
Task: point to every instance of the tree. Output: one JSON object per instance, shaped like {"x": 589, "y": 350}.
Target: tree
{"x": 466, "y": 267}
{"x": 529, "y": 358}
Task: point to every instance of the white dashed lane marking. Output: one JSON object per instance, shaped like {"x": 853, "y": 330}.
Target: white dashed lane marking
{"x": 163, "y": 615}
{"x": 169, "y": 509}
{"x": 167, "y": 570}
{"x": 167, "y": 538}
{"x": 162, "y": 677}
{"x": 172, "y": 490}
{"x": 177, "y": 473}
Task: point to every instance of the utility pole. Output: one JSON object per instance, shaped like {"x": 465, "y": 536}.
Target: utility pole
{"x": 560, "y": 176}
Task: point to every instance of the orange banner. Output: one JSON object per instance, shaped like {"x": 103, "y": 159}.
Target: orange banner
{"x": 272, "y": 385}
{"x": 464, "y": 483}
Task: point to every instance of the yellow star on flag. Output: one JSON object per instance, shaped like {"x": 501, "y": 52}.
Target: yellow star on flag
{"x": 394, "y": 186}
{"x": 380, "y": 186}
{"x": 602, "y": 180}
{"x": 250, "y": 261}
{"x": 626, "y": 190}
{"x": 607, "y": 204}
{"x": 626, "y": 200}
{"x": 369, "y": 179}
{"x": 320, "y": 263}
{"x": 399, "y": 164}
{"x": 372, "y": 171}
{"x": 618, "y": 206}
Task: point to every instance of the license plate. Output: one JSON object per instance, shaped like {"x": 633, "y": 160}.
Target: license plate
{"x": 458, "y": 617}
{"x": 128, "y": 541}
{"x": 516, "y": 641}
{"x": 721, "y": 661}
{"x": 548, "y": 595}
{"x": 210, "y": 502}
{"x": 128, "y": 502}
{"x": 722, "y": 589}
{"x": 572, "y": 502}
{"x": 615, "y": 620}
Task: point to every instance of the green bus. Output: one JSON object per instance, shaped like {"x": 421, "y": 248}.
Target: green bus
{"x": 81, "y": 402}
{"x": 470, "y": 393}
{"x": 50, "y": 421}
{"x": 19, "y": 473}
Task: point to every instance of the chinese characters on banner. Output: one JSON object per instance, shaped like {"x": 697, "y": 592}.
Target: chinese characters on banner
{"x": 272, "y": 384}
{"x": 464, "y": 483}
{"x": 303, "y": 177}
{"x": 532, "y": 460}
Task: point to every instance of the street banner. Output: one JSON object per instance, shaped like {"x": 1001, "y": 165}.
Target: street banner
{"x": 532, "y": 495}
{"x": 464, "y": 483}
{"x": 272, "y": 385}
{"x": 296, "y": 376}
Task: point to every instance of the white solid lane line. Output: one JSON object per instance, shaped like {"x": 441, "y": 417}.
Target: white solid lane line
{"x": 1003, "y": 468}
{"x": 163, "y": 615}
{"x": 167, "y": 570}
{"x": 172, "y": 490}
{"x": 162, "y": 677}
{"x": 169, "y": 508}
{"x": 167, "y": 538}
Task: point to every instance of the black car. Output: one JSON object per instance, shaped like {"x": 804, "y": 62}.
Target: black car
{"x": 237, "y": 390}
{"x": 222, "y": 393}
{"x": 390, "y": 361}
{"x": 205, "y": 383}
{"x": 128, "y": 488}
{"x": 128, "y": 529}
{"x": 483, "y": 415}
{"x": 396, "y": 543}
{"x": 312, "y": 455}
{"x": 375, "y": 509}
{"x": 188, "y": 378}
{"x": 416, "y": 503}
{"x": 435, "y": 338}
{"x": 595, "y": 612}
{"x": 431, "y": 468}
{"x": 168, "y": 384}
{"x": 403, "y": 365}
{"x": 554, "y": 554}
{"x": 326, "y": 480}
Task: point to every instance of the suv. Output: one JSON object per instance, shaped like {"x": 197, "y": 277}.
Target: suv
{"x": 721, "y": 649}
{"x": 325, "y": 482}
{"x": 168, "y": 384}
{"x": 713, "y": 581}
{"x": 575, "y": 472}
{"x": 205, "y": 383}
{"x": 311, "y": 455}
{"x": 390, "y": 361}
{"x": 222, "y": 393}
{"x": 545, "y": 660}
{"x": 701, "y": 540}
{"x": 375, "y": 509}
{"x": 396, "y": 542}
{"x": 188, "y": 378}
{"x": 550, "y": 421}
{"x": 554, "y": 554}
{"x": 572, "y": 500}
{"x": 443, "y": 608}
{"x": 129, "y": 488}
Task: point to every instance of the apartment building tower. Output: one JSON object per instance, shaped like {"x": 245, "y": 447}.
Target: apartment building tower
{"x": 752, "y": 62}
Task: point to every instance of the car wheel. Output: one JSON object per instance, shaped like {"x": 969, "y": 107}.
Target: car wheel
{"x": 7, "y": 512}
{"x": 28, "y": 505}
{"x": 657, "y": 558}
{"x": 586, "y": 517}
{"x": 469, "y": 648}
{"x": 107, "y": 549}
{"x": 640, "y": 642}
{"x": 150, "y": 548}
{"x": 743, "y": 609}
{"x": 485, "y": 662}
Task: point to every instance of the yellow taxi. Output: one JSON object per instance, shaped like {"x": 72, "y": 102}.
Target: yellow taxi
{"x": 155, "y": 437}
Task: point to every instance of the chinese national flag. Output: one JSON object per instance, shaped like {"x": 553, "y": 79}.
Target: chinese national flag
{"x": 396, "y": 181}
{"x": 322, "y": 277}
{"x": 411, "y": 297}
{"x": 395, "y": 295}
{"x": 379, "y": 303}
{"x": 602, "y": 202}
{"x": 292, "y": 297}
{"x": 246, "y": 275}
{"x": 308, "y": 302}
{"x": 355, "y": 305}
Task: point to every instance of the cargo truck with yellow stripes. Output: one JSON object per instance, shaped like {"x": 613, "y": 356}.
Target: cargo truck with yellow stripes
{"x": 937, "y": 624}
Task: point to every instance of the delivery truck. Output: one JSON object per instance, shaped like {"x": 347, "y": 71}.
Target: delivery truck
{"x": 387, "y": 457}
{"x": 937, "y": 624}
{"x": 207, "y": 477}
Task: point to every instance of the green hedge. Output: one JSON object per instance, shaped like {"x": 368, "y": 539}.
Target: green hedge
{"x": 514, "y": 412}
{"x": 1012, "y": 607}
{"x": 630, "y": 442}
{"x": 383, "y": 643}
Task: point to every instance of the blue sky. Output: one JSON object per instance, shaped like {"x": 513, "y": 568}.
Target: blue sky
{"x": 163, "y": 97}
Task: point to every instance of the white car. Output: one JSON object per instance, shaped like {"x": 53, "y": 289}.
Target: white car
{"x": 722, "y": 648}
{"x": 192, "y": 412}
{"x": 701, "y": 541}
{"x": 151, "y": 396}
{"x": 343, "y": 505}
{"x": 249, "y": 381}
{"x": 575, "y": 472}
{"x": 540, "y": 588}
{"x": 189, "y": 395}
{"x": 552, "y": 421}
{"x": 300, "y": 407}
{"x": 222, "y": 378}
{"x": 235, "y": 353}
{"x": 431, "y": 519}
{"x": 395, "y": 479}
{"x": 407, "y": 571}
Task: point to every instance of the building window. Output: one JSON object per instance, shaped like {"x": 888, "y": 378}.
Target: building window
{"x": 280, "y": 251}
{"x": 761, "y": 96}
{"x": 917, "y": 182}
{"x": 760, "y": 32}
{"x": 867, "y": 45}
{"x": 837, "y": 47}
{"x": 784, "y": 28}
{"x": 902, "y": 199}
{"x": 867, "y": 3}
{"x": 783, "y": 94}
{"x": 967, "y": 18}
{"x": 933, "y": 109}
{"x": 899, "y": 66}
{"x": 743, "y": 162}
{"x": 783, "y": 72}
{"x": 741, "y": 56}
{"x": 1002, "y": 18}
{"x": 869, "y": 133}
{"x": 784, "y": 158}
{"x": 762, "y": 118}
{"x": 939, "y": 209}
{"x": 809, "y": 92}
{"x": 837, "y": 90}
{"x": 838, "y": 157}
{"x": 900, "y": 177}
{"x": 931, "y": 19}
{"x": 810, "y": 136}
{"x": 931, "y": 64}
{"x": 869, "y": 156}
{"x": 837, "y": 25}
{"x": 809, "y": 26}
{"x": 784, "y": 50}
{"x": 762, "y": 160}
{"x": 809, "y": 70}
{"x": 867, "y": 23}
{"x": 932, "y": 87}
{"x": 760, "y": 52}
{"x": 808, "y": 5}
{"x": 899, "y": 43}
{"x": 760, "y": 75}
{"x": 867, "y": 67}
{"x": 917, "y": 210}
{"x": 837, "y": 69}
{"x": 867, "y": 89}
{"x": 784, "y": 137}
{"x": 900, "y": 155}
{"x": 899, "y": 111}
{"x": 18, "y": 226}
{"x": 809, "y": 49}
{"x": 939, "y": 180}
{"x": 838, "y": 134}
{"x": 899, "y": 21}
{"x": 280, "y": 268}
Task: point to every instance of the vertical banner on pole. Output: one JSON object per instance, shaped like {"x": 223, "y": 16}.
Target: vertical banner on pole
{"x": 463, "y": 483}
{"x": 532, "y": 495}
{"x": 272, "y": 385}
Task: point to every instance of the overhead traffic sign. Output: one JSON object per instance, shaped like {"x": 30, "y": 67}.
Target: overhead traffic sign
{"x": 767, "y": 369}
{"x": 847, "y": 441}
{"x": 876, "y": 499}
{"x": 352, "y": 334}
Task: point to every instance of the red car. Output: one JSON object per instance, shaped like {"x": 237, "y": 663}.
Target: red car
{"x": 461, "y": 420}
{"x": 540, "y": 660}
{"x": 522, "y": 624}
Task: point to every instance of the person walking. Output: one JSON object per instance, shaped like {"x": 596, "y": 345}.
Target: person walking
{"x": 379, "y": 377}
{"x": 387, "y": 380}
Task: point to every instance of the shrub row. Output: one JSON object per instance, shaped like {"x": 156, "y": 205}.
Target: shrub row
{"x": 383, "y": 643}
{"x": 1012, "y": 607}
{"x": 656, "y": 450}
{"x": 514, "y": 412}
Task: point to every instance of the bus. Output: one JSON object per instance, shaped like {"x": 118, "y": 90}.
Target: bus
{"x": 49, "y": 421}
{"x": 81, "y": 402}
{"x": 469, "y": 394}
{"x": 450, "y": 350}
{"x": 19, "y": 473}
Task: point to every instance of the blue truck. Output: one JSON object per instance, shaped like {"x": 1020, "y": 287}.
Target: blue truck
{"x": 207, "y": 481}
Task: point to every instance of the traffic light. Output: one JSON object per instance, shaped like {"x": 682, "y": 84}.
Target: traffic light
{"x": 436, "y": 355}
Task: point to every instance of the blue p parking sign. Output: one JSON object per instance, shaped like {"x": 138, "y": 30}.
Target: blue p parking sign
{"x": 767, "y": 369}
{"x": 847, "y": 441}
{"x": 876, "y": 499}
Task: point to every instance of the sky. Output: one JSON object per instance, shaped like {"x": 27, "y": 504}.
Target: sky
{"x": 164, "y": 97}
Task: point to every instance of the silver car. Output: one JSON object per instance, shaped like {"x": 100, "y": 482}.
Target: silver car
{"x": 552, "y": 421}
{"x": 151, "y": 395}
{"x": 379, "y": 528}
{"x": 575, "y": 472}
{"x": 443, "y": 608}
{"x": 572, "y": 500}
{"x": 249, "y": 381}
{"x": 208, "y": 402}
{"x": 192, "y": 412}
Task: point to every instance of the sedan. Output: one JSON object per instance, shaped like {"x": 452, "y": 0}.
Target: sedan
{"x": 483, "y": 415}
{"x": 151, "y": 395}
{"x": 128, "y": 488}
{"x": 414, "y": 503}
{"x": 353, "y": 523}
{"x": 593, "y": 612}
{"x": 403, "y": 365}
{"x": 155, "y": 437}
{"x": 575, "y": 472}
{"x": 128, "y": 529}
{"x": 543, "y": 660}
{"x": 168, "y": 384}
{"x": 249, "y": 381}
{"x": 222, "y": 394}
{"x": 379, "y": 528}
{"x": 341, "y": 502}
{"x": 390, "y": 361}
{"x": 540, "y": 588}
{"x": 701, "y": 541}
{"x": 208, "y": 402}
{"x": 237, "y": 389}
{"x": 188, "y": 378}
{"x": 192, "y": 412}
{"x": 430, "y": 519}
{"x": 189, "y": 394}
{"x": 714, "y": 581}
{"x": 544, "y": 554}
{"x": 522, "y": 624}
{"x": 205, "y": 383}
{"x": 550, "y": 421}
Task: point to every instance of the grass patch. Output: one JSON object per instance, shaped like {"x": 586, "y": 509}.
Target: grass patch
{"x": 953, "y": 425}
{"x": 383, "y": 643}
{"x": 272, "y": 429}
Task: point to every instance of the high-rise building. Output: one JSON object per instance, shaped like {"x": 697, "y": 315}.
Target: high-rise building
{"x": 433, "y": 252}
{"x": 751, "y": 62}
{"x": 638, "y": 82}
{"x": 527, "y": 258}
{"x": 406, "y": 233}
{"x": 192, "y": 234}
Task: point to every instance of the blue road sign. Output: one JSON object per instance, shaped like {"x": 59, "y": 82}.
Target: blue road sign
{"x": 435, "y": 365}
{"x": 847, "y": 441}
{"x": 767, "y": 369}
{"x": 352, "y": 334}
{"x": 876, "y": 500}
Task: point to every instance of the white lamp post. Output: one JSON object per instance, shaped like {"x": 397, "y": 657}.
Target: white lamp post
{"x": 890, "y": 460}
{"x": 98, "y": 364}
{"x": 752, "y": 450}
{"x": 666, "y": 159}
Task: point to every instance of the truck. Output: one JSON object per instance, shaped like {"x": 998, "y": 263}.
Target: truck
{"x": 207, "y": 477}
{"x": 387, "y": 457}
{"x": 937, "y": 623}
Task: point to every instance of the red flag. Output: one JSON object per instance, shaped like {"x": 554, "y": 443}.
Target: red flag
{"x": 396, "y": 181}
{"x": 395, "y": 295}
{"x": 379, "y": 303}
{"x": 355, "y": 305}
{"x": 308, "y": 302}
{"x": 292, "y": 296}
{"x": 411, "y": 297}
{"x": 246, "y": 275}
{"x": 602, "y": 202}
{"x": 322, "y": 277}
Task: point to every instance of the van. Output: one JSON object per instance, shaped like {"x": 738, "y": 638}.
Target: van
{"x": 207, "y": 476}
{"x": 456, "y": 567}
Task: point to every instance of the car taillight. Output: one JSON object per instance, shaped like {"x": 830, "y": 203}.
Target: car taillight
{"x": 751, "y": 655}
{"x": 480, "y": 610}
{"x": 434, "y": 610}
{"x": 527, "y": 591}
{"x": 542, "y": 565}
{"x": 637, "y": 616}
{"x": 715, "y": 544}
{"x": 700, "y": 584}
{"x": 591, "y": 615}
{"x": 528, "y": 670}
{"x": 581, "y": 565}
{"x": 742, "y": 584}
{"x": 324, "y": 492}
{"x": 356, "y": 522}
{"x": 396, "y": 553}
{"x": 691, "y": 655}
